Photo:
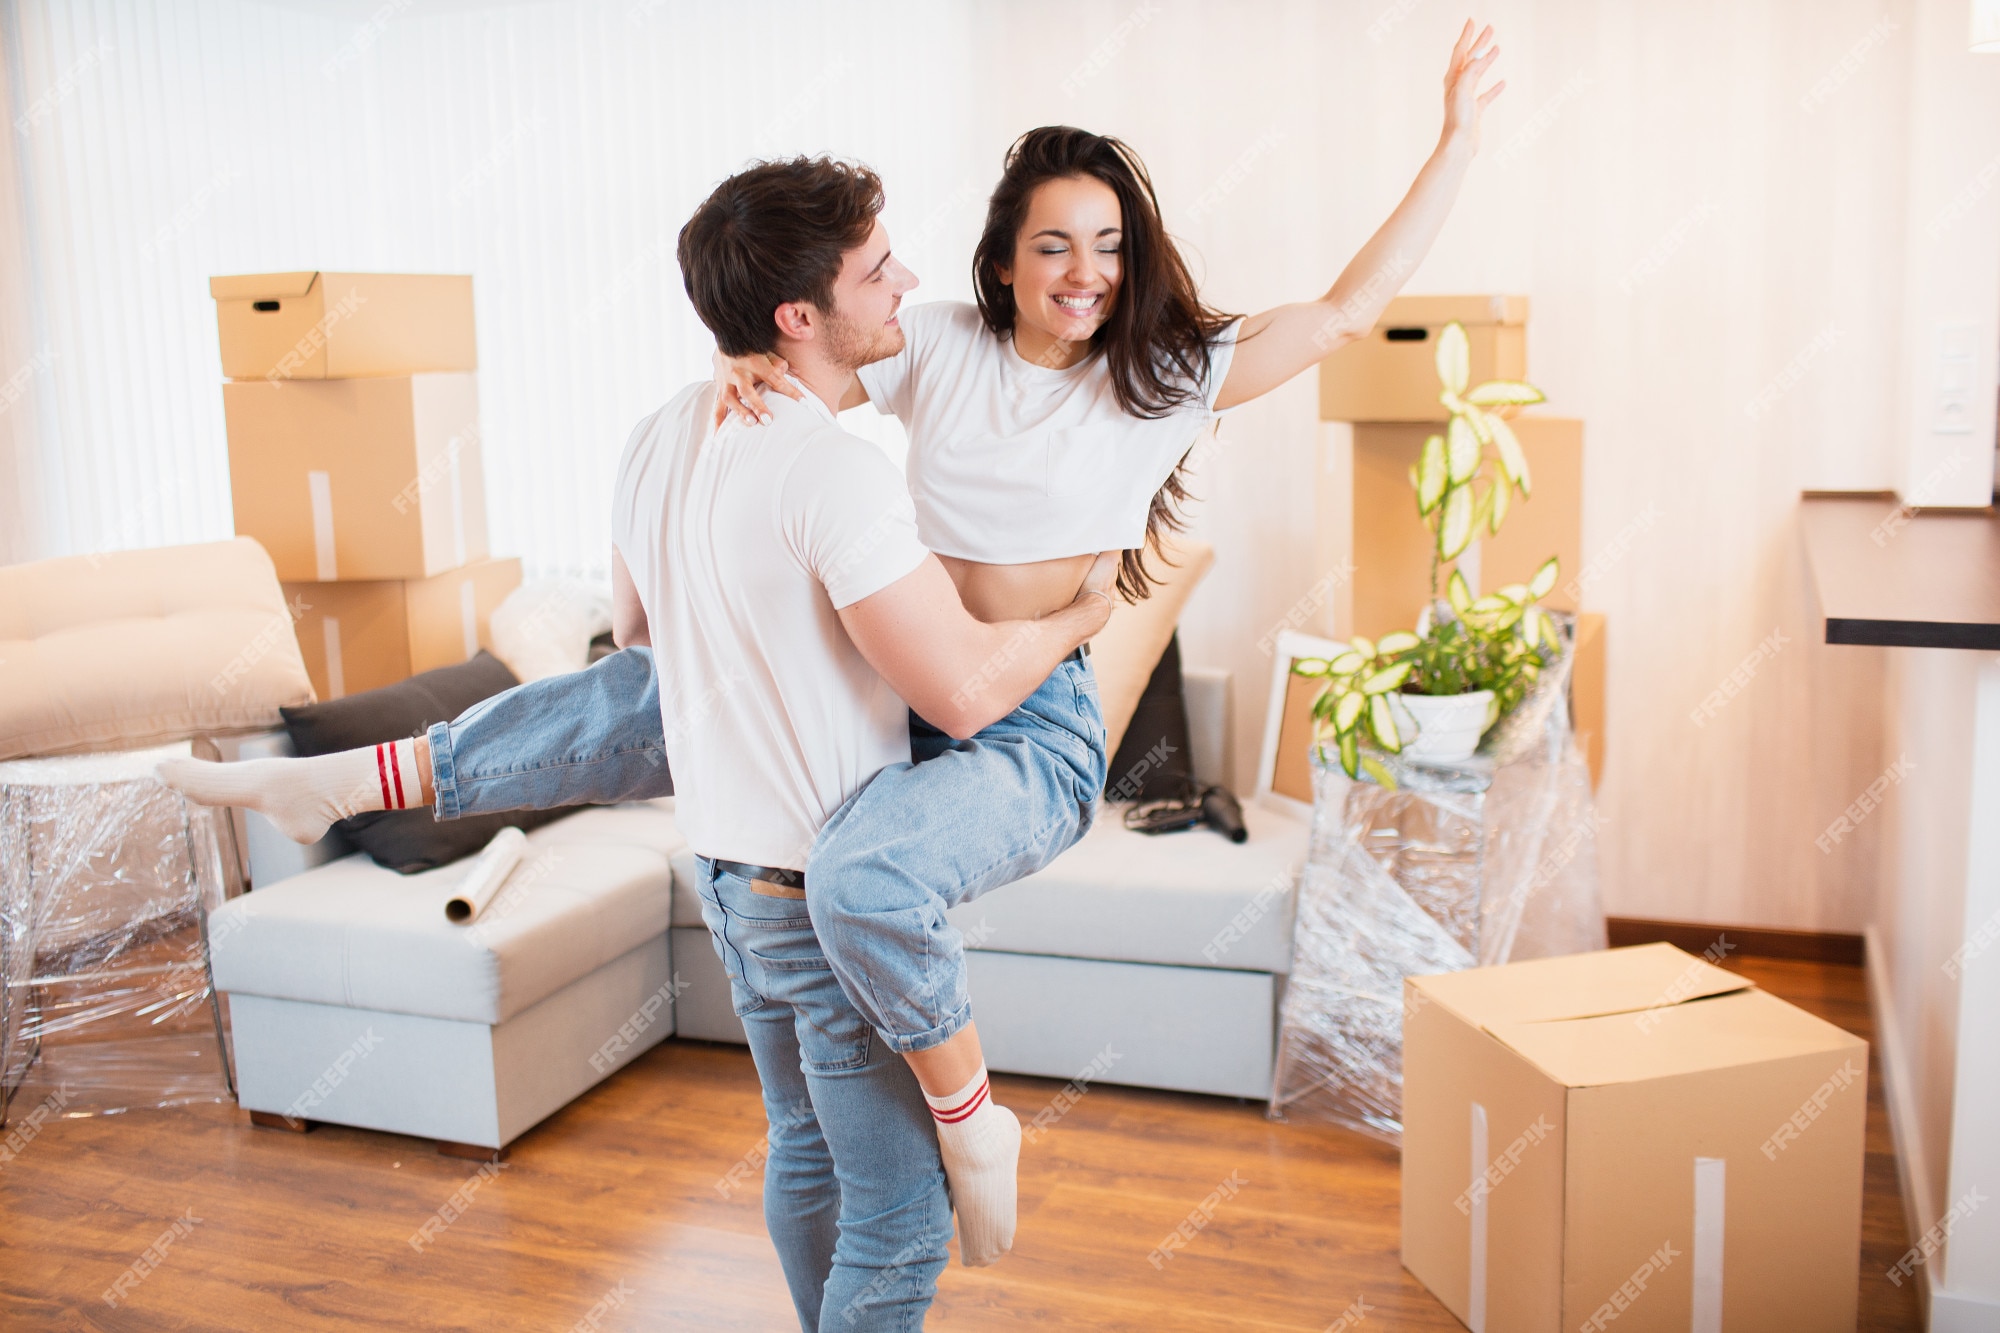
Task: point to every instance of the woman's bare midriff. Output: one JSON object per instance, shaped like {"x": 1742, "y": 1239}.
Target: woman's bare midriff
{"x": 1017, "y": 592}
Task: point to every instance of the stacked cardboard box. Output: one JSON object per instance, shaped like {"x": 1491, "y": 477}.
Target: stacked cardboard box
{"x": 1382, "y": 391}
{"x": 352, "y": 408}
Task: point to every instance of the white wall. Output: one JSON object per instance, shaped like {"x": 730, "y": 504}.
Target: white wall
{"x": 1707, "y": 206}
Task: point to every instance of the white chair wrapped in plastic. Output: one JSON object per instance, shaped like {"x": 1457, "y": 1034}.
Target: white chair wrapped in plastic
{"x": 107, "y": 880}
{"x": 1473, "y": 864}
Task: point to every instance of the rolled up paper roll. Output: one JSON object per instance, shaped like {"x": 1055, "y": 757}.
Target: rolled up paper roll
{"x": 482, "y": 882}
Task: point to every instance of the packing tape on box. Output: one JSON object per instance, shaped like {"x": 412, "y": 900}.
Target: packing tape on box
{"x": 482, "y": 882}
{"x": 1709, "y": 1176}
{"x": 319, "y": 486}
{"x": 1475, "y": 1276}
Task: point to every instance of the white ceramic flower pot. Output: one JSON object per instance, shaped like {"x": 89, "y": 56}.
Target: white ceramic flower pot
{"x": 1448, "y": 726}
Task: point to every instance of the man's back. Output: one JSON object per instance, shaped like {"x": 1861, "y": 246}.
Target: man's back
{"x": 743, "y": 543}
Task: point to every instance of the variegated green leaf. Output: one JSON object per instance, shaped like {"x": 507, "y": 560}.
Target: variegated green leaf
{"x": 1459, "y": 595}
{"x": 1454, "y": 357}
{"x": 1348, "y": 711}
{"x": 1512, "y": 461}
{"x": 1490, "y": 604}
{"x": 1373, "y": 767}
{"x": 1504, "y": 393}
{"x": 1545, "y": 578}
{"x": 1481, "y": 423}
{"x": 1309, "y": 666}
{"x": 1455, "y": 523}
{"x": 1382, "y": 724}
{"x": 1431, "y": 474}
{"x": 1350, "y": 753}
{"x": 1363, "y": 645}
{"x": 1517, "y": 593}
{"x": 1503, "y": 495}
{"x": 1400, "y": 641}
{"x": 1388, "y": 679}
{"x": 1461, "y": 448}
{"x": 1346, "y": 664}
{"x": 1483, "y": 510}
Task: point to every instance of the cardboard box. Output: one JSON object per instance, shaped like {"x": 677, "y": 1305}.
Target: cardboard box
{"x": 1631, "y": 1140}
{"x": 1368, "y": 515}
{"x": 1391, "y": 375}
{"x": 328, "y": 326}
{"x": 1586, "y": 692}
{"x": 361, "y": 636}
{"x": 358, "y": 479}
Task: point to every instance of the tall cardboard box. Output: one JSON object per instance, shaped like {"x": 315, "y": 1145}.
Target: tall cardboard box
{"x": 1367, "y": 516}
{"x": 1586, "y": 692}
{"x": 358, "y": 479}
{"x": 1391, "y": 375}
{"x": 361, "y": 636}
{"x": 1633, "y": 1140}
{"x": 324, "y": 326}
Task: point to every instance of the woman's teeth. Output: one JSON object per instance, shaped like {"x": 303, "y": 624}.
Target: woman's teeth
{"x": 1078, "y": 304}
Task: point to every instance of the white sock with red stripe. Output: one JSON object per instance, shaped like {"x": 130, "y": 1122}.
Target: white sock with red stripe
{"x": 980, "y": 1141}
{"x": 303, "y": 796}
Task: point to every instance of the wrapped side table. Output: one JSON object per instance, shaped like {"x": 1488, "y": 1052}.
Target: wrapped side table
{"x": 1462, "y": 865}
{"x": 107, "y": 879}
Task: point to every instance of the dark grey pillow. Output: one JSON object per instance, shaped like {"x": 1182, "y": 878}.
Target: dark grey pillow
{"x": 1152, "y": 763}
{"x": 410, "y": 840}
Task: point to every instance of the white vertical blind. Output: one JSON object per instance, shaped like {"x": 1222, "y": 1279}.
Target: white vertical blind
{"x": 552, "y": 151}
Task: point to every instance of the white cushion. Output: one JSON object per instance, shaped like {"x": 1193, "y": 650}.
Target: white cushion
{"x": 1191, "y": 898}
{"x": 591, "y": 887}
{"x": 135, "y": 648}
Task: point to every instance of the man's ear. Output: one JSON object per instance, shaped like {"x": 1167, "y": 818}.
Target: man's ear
{"x": 795, "y": 320}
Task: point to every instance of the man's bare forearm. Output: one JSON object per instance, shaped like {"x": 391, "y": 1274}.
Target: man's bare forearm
{"x": 1015, "y": 658}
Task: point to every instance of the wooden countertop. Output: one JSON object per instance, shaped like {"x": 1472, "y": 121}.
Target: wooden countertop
{"x": 1887, "y": 576}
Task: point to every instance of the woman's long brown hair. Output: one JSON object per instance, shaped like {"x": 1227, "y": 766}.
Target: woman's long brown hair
{"x": 1159, "y": 338}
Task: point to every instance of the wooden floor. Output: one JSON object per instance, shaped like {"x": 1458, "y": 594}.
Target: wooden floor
{"x": 620, "y": 1205}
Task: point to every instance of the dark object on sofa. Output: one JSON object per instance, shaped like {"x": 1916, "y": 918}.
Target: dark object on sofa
{"x": 410, "y": 840}
{"x": 1152, "y": 763}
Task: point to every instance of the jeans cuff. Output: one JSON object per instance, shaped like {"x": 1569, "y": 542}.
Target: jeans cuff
{"x": 937, "y": 1036}
{"x": 443, "y": 781}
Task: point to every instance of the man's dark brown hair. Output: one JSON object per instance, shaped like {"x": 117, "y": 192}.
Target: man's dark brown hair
{"x": 770, "y": 234}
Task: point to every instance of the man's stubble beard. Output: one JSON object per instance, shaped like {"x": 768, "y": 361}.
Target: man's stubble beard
{"x": 850, "y": 347}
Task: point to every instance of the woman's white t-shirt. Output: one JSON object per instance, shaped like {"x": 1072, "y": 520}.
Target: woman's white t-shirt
{"x": 1011, "y": 462}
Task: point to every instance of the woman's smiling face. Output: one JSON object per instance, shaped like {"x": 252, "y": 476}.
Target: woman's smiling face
{"x": 1067, "y": 266}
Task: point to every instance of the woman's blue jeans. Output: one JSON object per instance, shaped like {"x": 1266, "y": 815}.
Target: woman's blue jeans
{"x": 918, "y": 838}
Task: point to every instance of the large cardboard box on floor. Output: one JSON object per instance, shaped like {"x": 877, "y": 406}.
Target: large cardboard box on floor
{"x": 361, "y": 636}
{"x": 1391, "y": 375}
{"x": 1633, "y": 1140}
{"x": 329, "y": 326}
{"x": 358, "y": 479}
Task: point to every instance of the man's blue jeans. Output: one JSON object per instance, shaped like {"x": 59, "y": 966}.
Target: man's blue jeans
{"x": 962, "y": 818}
{"x": 854, "y": 1191}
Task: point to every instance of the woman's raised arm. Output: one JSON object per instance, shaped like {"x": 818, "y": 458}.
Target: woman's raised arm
{"x": 1279, "y": 343}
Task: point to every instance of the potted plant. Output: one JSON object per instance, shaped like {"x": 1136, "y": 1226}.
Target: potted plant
{"x": 1433, "y": 692}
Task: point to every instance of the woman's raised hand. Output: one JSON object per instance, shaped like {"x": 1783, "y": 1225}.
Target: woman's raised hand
{"x": 737, "y": 380}
{"x": 1463, "y": 102}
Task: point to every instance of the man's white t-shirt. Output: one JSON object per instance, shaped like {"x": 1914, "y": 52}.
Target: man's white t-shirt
{"x": 1011, "y": 462}
{"x": 743, "y": 542}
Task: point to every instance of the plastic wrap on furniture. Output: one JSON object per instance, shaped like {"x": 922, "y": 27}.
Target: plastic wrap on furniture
{"x": 107, "y": 881}
{"x": 1462, "y": 865}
